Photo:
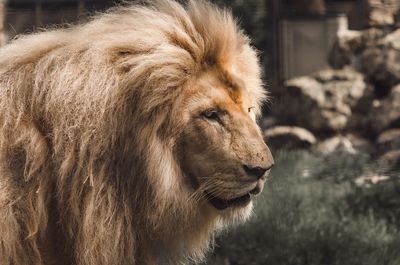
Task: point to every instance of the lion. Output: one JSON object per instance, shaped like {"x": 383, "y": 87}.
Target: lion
{"x": 131, "y": 139}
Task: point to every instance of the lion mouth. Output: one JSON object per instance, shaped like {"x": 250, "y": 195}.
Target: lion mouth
{"x": 221, "y": 204}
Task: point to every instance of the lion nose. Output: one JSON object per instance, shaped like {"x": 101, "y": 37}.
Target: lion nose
{"x": 256, "y": 171}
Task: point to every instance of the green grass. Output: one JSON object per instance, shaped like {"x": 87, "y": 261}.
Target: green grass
{"x": 312, "y": 213}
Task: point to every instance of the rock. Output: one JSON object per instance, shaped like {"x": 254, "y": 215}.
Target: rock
{"x": 382, "y": 12}
{"x": 374, "y": 52}
{"x": 360, "y": 144}
{"x": 350, "y": 43}
{"x": 380, "y": 62}
{"x": 391, "y": 158}
{"x": 349, "y": 143}
{"x": 381, "y": 65}
{"x": 377, "y": 13}
{"x": 346, "y": 85}
{"x": 389, "y": 140}
{"x": 324, "y": 101}
{"x": 379, "y": 17}
{"x": 363, "y": 97}
{"x": 289, "y": 137}
{"x": 346, "y": 45}
{"x": 393, "y": 39}
{"x": 385, "y": 113}
{"x": 336, "y": 144}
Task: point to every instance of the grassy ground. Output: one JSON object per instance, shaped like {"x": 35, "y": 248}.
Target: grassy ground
{"x": 312, "y": 213}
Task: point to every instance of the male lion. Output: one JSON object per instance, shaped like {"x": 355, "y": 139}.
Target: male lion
{"x": 130, "y": 139}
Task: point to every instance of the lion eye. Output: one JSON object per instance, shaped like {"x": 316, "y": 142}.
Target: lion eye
{"x": 211, "y": 114}
{"x": 250, "y": 109}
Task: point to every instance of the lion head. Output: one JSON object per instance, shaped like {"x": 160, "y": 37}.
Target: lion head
{"x": 129, "y": 139}
{"x": 221, "y": 149}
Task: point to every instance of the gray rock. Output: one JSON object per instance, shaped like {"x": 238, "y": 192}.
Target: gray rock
{"x": 385, "y": 113}
{"x": 381, "y": 17}
{"x": 365, "y": 100}
{"x": 360, "y": 144}
{"x": 389, "y": 140}
{"x": 336, "y": 144}
{"x": 342, "y": 88}
{"x": 379, "y": 60}
{"x": 350, "y": 44}
{"x": 391, "y": 158}
{"x": 374, "y": 52}
{"x": 382, "y": 67}
{"x": 382, "y": 12}
{"x": 393, "y": 39}
{"x": 323, "y": 102}
{"x": 289, "y": 137}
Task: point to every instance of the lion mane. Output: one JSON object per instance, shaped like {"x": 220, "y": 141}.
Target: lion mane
{"x": 88, "y": 173}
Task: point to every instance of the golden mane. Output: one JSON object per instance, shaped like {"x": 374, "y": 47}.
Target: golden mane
{"x": 88, "y": 173}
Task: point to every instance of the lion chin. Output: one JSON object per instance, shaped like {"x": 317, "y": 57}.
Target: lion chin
{"x": 130, "y": 139}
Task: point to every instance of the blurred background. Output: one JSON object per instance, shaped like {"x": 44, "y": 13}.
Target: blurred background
{"x": 333, "y": 71}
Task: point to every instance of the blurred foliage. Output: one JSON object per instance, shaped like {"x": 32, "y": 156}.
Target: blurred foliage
{"x": 307, "y": 217}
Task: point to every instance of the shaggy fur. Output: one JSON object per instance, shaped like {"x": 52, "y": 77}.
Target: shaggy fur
{"x": 89, "y": 119}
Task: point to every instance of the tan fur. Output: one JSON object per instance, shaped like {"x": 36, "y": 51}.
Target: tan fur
{"x": 90, "y": 118}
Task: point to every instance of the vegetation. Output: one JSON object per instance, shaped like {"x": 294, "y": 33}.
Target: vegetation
{"x": 312, "y": 213}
